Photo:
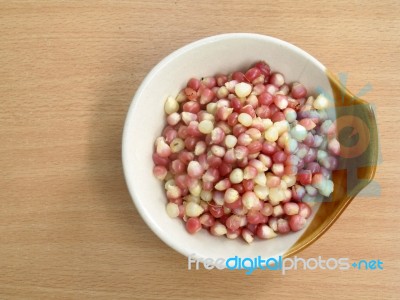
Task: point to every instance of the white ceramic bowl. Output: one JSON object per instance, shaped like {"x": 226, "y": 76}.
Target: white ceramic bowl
{"x": 145, "y": 121}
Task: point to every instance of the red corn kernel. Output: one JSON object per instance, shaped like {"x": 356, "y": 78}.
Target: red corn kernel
{"x": 248, "y": 109}
{"x": 218, "y": 229}
{"x": 170, "y": 135}
{"x": 240, "y": 211}
{"x": 267, "y": 209}
{"x": 252, "y": 227}
{"x": 181, "y": 211}
{"x": 277, "y": 79}
{"x": 252, "y": 100}
{"x": 224, "y": 112}
{"x": 291, "y": 170}
{"x": 211, "y": 175}
{"x": 207, "y": 186}
{"x": 229, "y": 156}
{"x": 278, "y": 116}
{"x": 202, "y": 159}
{"x": 273, "y": 109}
{"x": 258, "y": 89}
{"x": 181, "y": 181}
{"x": 223, "y": 184}
{"x": 230, "y": 85}
{"x": 217, "y": 135}
{"x": 177, "y": 201}
{"x": 161, "y": 161}
{"x": 207, "y": 220}
{"x": 263, "y": 112}
{"x": 244, "y": 139}
{"x": 216, "y": 211}
{"x": 294, "y": 104}
{"x": 190, "y": 143}
{"x": 248, "y": 184}
{"x": 283, "y": 226}
{"x": 305, "y": 177}
{"x": 291, "y": 208}
{"x": 233, "y": 119}
{"x": 260, "y": 79}
{"x": 273, "y": 181}
{"x": 177, "y": 167}
{"x": 233, "y": 234}
{"x": 190, "y": 93}
{"x": 238, "y": 129}
{"x": 238, "y": 76}
{"x": 255, "y": 217}
{"x": 265, "y": 98}
{"x": 264, "y": 68}
{"x": 192, "y": 107}
{"x": 252, "y": 74}
{"x": 247, "y": 235}
{"x": 209, "y": 82}
{"x": 279, "y": 157}
{"x": 236, "y": 104}
{"x": 281, "y": 101}
{"x": 269, "y": 148}
{"x": 233, "y": 222}
{"x": 225, "y": 169}
{"x": 160, "y": 172}
{"x": 234, "y": 205}
{"x": 273, "y": 223}
{"x": 206, "y": 96}
{"x": 304, "y": 210}
{"x": 255, "y": 147}
{"x": 298, "y": 91}
{"x": 284, "y": 89}
{"x": 307, "y": 123}
{"x": 185, "y": 157}
{"x": 221, "y": 79}
{"x": 193, "y": 83}
{"x": 271, "y": 89}
{"x": 239, "y": 187}
{"x": 265, "y": 232}
{"x": 193, "y": 225}
{"x": 182, "y": 132}
{"x": 297, "y": 222}
{"x": 242, "y": 163}
{"x": 193, "y": 129}
{"x": 214, "y": 161}
{"x": 224, "y": 126}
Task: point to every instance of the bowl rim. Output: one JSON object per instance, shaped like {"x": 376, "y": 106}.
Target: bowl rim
{"x": 133, "y": 105}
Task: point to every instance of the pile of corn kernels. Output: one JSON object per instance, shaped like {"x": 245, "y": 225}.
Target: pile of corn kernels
{"x": 245, "y": 154}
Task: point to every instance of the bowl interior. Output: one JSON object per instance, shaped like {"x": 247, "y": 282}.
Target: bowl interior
{"x": 145, "y": 121}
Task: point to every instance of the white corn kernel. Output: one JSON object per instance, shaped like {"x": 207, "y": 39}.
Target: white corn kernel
{"x": 261, "y": 191}
{"x": 321, "y": 102}
{"x": 206, "y": 126}
{"x": 243, "y": 89}
{"x": 245, "y": 119}
{"x": 193, "y": 209}
{"x": 172, "y": 210}
{"x": 230, "y": 141}
{"x": 177, "y": 145}
{"x": 236, "y": 176}
{"x": 171, "y": 106}
{"x": 231, "y": 195}
{"x": 271, "y": 134}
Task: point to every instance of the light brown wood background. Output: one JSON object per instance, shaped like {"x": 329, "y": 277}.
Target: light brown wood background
{"x": 68, "y": 71}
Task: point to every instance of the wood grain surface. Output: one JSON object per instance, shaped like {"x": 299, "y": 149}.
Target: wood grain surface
{"x": 69, "y": 69}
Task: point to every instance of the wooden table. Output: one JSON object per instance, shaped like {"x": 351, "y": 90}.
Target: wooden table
{"x": 68, "y": 228}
